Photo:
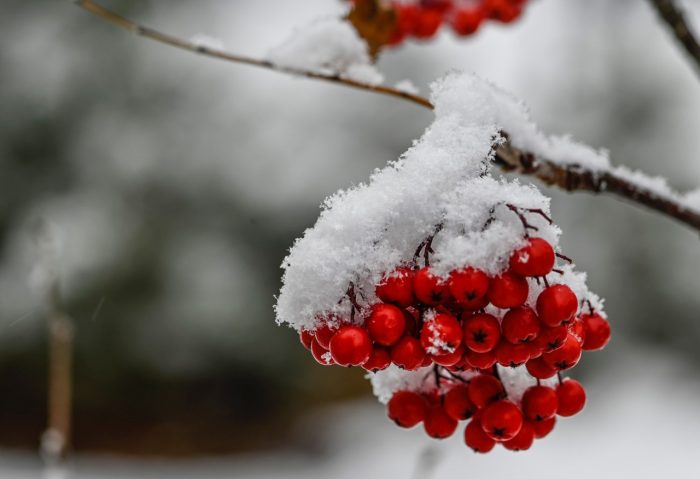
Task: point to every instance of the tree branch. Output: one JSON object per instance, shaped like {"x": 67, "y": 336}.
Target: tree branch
{"x": 507, "y": 156}
{"x": 671, "y": 13}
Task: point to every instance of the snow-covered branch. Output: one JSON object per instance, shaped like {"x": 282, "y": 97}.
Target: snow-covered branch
{"x": 555, "y": 161}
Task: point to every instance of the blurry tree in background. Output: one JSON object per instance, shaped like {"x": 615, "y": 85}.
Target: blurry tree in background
{"x": 177, "y": 184}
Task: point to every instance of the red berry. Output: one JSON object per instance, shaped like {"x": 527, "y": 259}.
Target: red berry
{"x": 351, "y": 346}
{"x": 565, "y": 357}
{"x": 485, "y": 389}
{"x": 542, "y": 428}
{"x": 324, "y": 333}
{"x": 306, "y": 337}
{"x": 508, "y": 290}
{"x": 520, "y": 325}
{"x": 476, "y": 438}
{"x": 407, "y": 408}
{"x": 429, "y": 289}
{"x": 406, "y": 14}
{"x": 439, "y": 5}
{"x": 557, "y": 305}
{"x": 481, "y": 332}
{"x": 438, "y": 424}
{"x": 321, "y": 354}
{"x": 539, "y": 403}
{"x": 407, "y": 353}
{"x": 512, "y": 355}
{"x": 503, "y": 10}
{"x": 449, "y": 359}
{"x": 441, "y": 335}
{"x": 480, "y": 360}
{"x": 378, "y": 360}
{"x": 536, "y": 258}
{"x": 467, "y": 20}
{"x": 571, "y": 396}
{"x": 523, "y": 440}
{"x": 457, "y": 404}
{"x": 551, "y": 339}
{"x": 427, "y": 23}
{"x": 597, "y": 332}
{"x": 539, "y": 369}
{"x": 502, "y": 420}
{"x": 386, "y": 324}
{"x": 468, "y": 287}
{"x": 397, "y": 287}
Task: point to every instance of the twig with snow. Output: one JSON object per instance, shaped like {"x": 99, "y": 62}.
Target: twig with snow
{"x": 530, "y": 154}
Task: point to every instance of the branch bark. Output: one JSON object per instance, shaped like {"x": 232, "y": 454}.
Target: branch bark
{"x": 507, "y": 157}
{"x": 671, "y": 13}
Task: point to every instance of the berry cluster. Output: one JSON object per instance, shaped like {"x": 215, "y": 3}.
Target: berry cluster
{"x": 423, "y": 18}
{"x": 465, "y": 326}
{"x": 483, "y": 400}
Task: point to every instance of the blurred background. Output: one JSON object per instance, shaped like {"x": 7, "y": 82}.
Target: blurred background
{"x": 174, "y": 185}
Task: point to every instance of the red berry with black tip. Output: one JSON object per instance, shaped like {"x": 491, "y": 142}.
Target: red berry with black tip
{"x": 539, "y": 369}
{"x": 512, "y": 355}
{"x": 482, "y": 332}
{"x": 407, "y": 353}
{"x": 379, "y": 360}
{"x": 485, "y": 389}
{"x": 539, "y": 403}
{"x": 571, "y": 397}
{"x": 429, "y": 289}
{"x": 536, "y": 258}
{"x": 502, "y": 420}
{"x": 543, "y": 428}
{"x": 565, "y": 357}
{"x": 551, "y": 339}
{"x": 597, "y": 332}
{"x": 407, "y": 408}
{"x": 557, "y": 305}
{"x": 457, "y": 403}
{"x": 523, "y": 440}
{"x": 578, "y": 329}
{"x": 508, "y": 290}
{"x": 351, "y": 346}
{"x": 476, "y": 439}
{"x": 468, "y": 287}
{"x": 441, "y": 335}
{"x": 386, "y": 324}
{"x": 321, "y": 354}
{"x": 397, "y": 287}
{"x": 520, "y": 325}
{"x": 438, "y": 424}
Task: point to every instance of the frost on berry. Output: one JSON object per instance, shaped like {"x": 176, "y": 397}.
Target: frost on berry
{"x": 404, "y": 274}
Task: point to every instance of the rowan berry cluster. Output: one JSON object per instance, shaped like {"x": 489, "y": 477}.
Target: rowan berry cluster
{"x": 423, "y": 18}
{"x": 493, "y": 418}
{"x": 464, "y": 325}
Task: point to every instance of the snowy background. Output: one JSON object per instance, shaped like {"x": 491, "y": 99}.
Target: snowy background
{"x": 177, "y": 183}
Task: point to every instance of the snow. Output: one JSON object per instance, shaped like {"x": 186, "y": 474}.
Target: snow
{"x": 407, "y": 86}
{"x": 330, "y": 46}
{"x": 443, "y": 179}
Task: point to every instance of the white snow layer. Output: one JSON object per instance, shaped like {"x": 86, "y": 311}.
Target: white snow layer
{"x": 443, "y": 179}
{"x": 330, "y": 46}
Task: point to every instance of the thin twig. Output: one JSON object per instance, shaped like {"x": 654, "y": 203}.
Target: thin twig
{"x": 672, "y": 14}
{"x": 507, "y": 157}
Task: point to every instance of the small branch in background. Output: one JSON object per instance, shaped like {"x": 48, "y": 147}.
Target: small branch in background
{"x": 56, "y": 439}
{"x": 508, "y": 157}
{"x": 671, "y": 13}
